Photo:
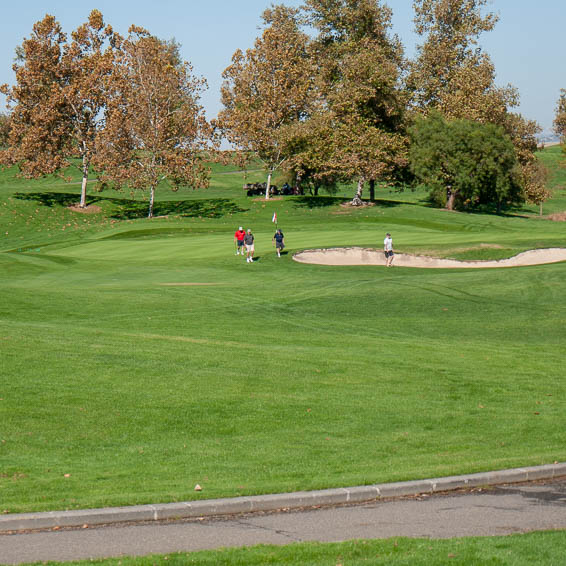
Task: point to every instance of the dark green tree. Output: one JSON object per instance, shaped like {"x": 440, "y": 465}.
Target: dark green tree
{"x": 451, "y": 74}
{"x": 465, "y": 163}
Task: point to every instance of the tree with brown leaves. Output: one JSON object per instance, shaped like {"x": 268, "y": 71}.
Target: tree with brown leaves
{"x": 155, "y": 128}
{"x": 267, "y": 91}
{"x": 357, "y": 132}
{"x": 560, "y": 117}
{"x": 88, "y": 60}
{"x": 58, "y": 100}
{"x": 38, "y": 135}
{"x": 5, "y": 120}
{"x": 450, "y": 73}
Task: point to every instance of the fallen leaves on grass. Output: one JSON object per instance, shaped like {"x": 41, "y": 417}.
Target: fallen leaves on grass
{"x": 90, "y": 209}
{"x": 557, "y": 217}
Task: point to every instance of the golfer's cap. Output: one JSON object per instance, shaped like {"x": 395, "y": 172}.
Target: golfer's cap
{"x": 388, "y": 234}
{"x": 240, "y": 228}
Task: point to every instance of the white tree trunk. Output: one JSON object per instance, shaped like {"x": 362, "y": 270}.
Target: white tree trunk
{"x": 85, "y": 180}
{"x": 151, "y": 201}
{"x": 357, "y": 200}
{"x": 268, "y": 186}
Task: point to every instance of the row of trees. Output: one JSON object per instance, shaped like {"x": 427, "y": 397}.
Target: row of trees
{"x": 344, "y": 104}
{"x": 127, "y": 107}
{"x": 325, "y": 93}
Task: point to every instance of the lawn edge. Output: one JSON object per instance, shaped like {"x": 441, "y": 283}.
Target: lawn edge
{"x": 272, "y": 502}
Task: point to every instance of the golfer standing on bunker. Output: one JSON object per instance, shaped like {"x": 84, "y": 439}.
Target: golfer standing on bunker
{"x": 249, "y": 241}
{"x": 388, "y": 249}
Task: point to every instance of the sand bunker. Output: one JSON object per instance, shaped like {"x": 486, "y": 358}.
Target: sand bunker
{"x": 368, "y": 256}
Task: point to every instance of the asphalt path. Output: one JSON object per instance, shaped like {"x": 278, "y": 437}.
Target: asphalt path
{"x": 499, "y": 510}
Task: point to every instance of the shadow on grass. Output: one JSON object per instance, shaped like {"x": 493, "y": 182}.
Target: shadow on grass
{"x": 57, "y": 199}
{"x": 325, "y": 201}
{"x": 206, "y": 208}
{"x": 128, "y": 209}
{"x": 517, "y": 211}
{"x": 318, "y": 201}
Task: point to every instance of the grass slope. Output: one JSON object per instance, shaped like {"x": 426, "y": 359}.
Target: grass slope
{"x": 120, "y": 388}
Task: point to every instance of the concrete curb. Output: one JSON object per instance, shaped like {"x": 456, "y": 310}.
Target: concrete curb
{"x": 274, "y": 502}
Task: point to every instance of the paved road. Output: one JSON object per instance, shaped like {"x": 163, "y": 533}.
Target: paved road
{"x": 497, "y": 511}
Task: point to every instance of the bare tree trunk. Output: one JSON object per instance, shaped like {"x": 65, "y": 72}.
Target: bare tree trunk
{"x": 268, "y": 187}
{"x": 357, "y": 200}
{"x": 450, "y": 199}
{"x": 85, "y": 180}
{"x": 372, "y": 190}
{"x": 297, "y": 190}
{"x": 151, "y": 201}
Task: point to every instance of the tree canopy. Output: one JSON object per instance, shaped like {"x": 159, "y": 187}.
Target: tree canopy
{"x": 155, "y": 127}
{"x": 325, "y": 93}
{"x": 267, "y": 90}
{"x": 465, "y": 163}
{"x": 5, "y": 120}
{"x": 452, "y": 75}
{"x": 356, "y": 129}
{"x": 58, "y": 100}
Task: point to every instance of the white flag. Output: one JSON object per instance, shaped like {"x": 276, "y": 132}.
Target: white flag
{"x": 274, "y": 219}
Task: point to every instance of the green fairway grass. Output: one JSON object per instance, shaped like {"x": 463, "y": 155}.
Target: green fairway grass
{"x": 542, "y": 548}
{"x": 141, "y": 357}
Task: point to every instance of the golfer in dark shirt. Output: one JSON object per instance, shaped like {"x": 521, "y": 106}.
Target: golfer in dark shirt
{"x": 279, "y": 240}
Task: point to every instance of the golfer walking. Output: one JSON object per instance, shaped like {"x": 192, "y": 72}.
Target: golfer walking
{"x": 388, "y": 249}
{"x": 239, "y": 236}
{"x": 279, "y": 241}
{"x": 249, "y": 241}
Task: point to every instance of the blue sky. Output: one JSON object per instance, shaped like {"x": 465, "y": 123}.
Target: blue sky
{"x": 526, "y": 46}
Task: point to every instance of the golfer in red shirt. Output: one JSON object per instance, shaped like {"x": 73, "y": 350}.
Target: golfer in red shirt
{"x": 239, "y": 240}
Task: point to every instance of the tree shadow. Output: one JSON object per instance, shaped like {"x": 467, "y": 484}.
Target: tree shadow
{"x": 128, "y": 209}
{"x": 57, "y": 199}
{"x": 206, "y": 208}
{"x": 387, "y": 203}
{"x": 308, "y": 201}
{"x": 508, "y": 211}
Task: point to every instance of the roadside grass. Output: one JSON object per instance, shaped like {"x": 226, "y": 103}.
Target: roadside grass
{"x": 141, "y": 357}
{"x": 541, "y": 548}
